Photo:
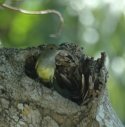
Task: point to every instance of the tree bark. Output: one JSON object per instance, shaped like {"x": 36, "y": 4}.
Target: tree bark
{"x": 25, "y": 102}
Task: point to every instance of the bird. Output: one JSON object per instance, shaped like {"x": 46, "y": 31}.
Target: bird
{"x": 45, "y": 65}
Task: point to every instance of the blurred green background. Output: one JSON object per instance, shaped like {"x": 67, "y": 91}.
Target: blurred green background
{"x": 97, "y": 25}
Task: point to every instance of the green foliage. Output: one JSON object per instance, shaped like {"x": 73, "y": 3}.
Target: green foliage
{"x": 117, "y": 95}
{"x": 2, "y": 1}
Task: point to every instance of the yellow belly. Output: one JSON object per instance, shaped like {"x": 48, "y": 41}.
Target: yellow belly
{"x": 46, "y": 74}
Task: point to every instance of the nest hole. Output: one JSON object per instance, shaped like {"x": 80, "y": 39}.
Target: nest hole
{"x": 30, "y": 67}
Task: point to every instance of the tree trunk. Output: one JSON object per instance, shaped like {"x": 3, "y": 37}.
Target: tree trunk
{"x": 25, "y": 102}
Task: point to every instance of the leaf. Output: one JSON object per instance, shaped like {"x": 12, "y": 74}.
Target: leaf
{"x": 2, "y": 1}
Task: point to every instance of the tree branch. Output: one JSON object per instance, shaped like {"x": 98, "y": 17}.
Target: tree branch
{"x": 43, "y": 12}
{"x": 24, "y": 101}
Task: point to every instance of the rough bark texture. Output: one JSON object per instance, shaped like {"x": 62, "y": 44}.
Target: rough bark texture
{"x": 25, "y": 102}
